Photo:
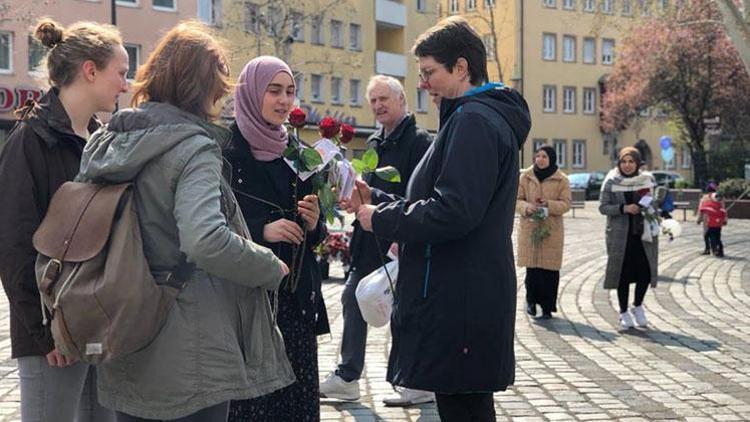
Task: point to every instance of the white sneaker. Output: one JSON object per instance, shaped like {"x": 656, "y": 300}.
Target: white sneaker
{"x": 626, "y": 321}
{"x": 334, "y": 387}
{"x": 409, "y": 397}
{"x": 640, "y": 316}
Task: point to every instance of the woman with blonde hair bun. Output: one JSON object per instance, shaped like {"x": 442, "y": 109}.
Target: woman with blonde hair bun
{"x": 86, "y": 67}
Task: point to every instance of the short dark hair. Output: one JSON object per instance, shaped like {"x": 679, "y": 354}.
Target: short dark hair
{"x": 451, "y": 39}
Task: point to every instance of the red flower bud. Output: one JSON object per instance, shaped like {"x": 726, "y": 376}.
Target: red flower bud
{"x": 347, "y": 133}
{"x": 329, "y": 127}
{"x": 297, "y": 118}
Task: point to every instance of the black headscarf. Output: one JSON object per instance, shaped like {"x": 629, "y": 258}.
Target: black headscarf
{"x": 544, "y": 173}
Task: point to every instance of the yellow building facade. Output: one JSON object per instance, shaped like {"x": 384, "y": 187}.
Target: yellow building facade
{"x": 334, "y": 47}
{"x": 558, "y": 54}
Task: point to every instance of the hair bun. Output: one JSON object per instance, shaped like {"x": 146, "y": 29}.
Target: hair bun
{"x": 48, "y": 32}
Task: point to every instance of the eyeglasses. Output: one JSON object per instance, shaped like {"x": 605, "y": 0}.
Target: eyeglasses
{"x": 425, "y": 75}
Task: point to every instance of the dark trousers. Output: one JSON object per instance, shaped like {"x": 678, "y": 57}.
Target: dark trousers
{"x": 216, "y": 413}
{"x": 714, "y": 236}
{"x": 541, "y": 288}
{"x": 471, "y": 407}
{"x": 623, "y": 293}
{"x": 354, "y": 339}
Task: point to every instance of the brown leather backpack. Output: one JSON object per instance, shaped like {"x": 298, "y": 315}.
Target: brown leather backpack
{"x": 93, "y": 276}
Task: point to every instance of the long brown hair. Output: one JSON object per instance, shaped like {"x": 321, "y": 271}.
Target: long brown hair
{"x": 188, "y": 67}
{"x": 70, "y": 47}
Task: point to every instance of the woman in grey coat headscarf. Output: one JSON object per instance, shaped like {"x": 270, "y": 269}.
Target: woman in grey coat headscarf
{"x": 632, "y": 243}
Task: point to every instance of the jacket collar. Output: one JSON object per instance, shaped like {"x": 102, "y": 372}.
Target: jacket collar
{"x": 448, "y": 106}
{"x": 50, "y": 121}
{"x": 378, "y": 139}
{"x": 529, "y": 172}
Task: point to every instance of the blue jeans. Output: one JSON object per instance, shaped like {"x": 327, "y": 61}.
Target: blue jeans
{"x": 52, "y": 394}
{"x": 354, "y": 339}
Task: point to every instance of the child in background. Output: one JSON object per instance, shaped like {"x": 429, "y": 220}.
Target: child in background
{"x": 714, "y": 215}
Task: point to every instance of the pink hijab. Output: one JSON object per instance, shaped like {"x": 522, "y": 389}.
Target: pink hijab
{"x": 267, "y": 141}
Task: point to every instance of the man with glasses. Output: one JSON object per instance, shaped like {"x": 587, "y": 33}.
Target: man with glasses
{"x": 400, "y": 143}
{"x": 454, "y": 312}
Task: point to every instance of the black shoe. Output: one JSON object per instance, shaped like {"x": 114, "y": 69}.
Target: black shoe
{"x": 531, "y": 309}
{"x": 546, "y": 315}
{"x": 706, "y": 252}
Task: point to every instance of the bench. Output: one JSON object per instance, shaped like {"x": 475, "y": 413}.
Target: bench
{"x": 684, "y": 206}
{"x": 577, "y": 204}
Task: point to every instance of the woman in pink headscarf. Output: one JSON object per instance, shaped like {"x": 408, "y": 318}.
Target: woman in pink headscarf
{"x": 283, "y": 215}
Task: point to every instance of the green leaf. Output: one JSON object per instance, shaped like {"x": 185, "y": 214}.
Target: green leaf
{"x": 291, "y": 153}
{"x": 359, "y": 166}
{"x": 370, "y": 158}
{"x": 310, "y": 158}
{"x": 389, "y": 174}
{"x": 317, "y": 183}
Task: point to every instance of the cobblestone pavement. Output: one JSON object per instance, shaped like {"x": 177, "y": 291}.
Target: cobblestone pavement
{"x": 691, "y": 364}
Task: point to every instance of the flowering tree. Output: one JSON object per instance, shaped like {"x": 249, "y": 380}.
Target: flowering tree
{"x": 683, "y": 61}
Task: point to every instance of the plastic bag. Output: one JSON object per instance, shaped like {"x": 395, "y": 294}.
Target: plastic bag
{"x": 375, "y": 297}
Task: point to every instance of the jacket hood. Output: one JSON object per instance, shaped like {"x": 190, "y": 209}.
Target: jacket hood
{"x": 49, "y": 120}
{"x": 116, "y": 153}
{"x": 504, "y": 100}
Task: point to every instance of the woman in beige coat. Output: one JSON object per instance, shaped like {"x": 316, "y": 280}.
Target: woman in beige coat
{"x": 543, "y": 197}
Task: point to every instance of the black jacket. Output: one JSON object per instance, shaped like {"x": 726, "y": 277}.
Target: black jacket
{"x": 402, "y": 149}
{"x": 454, "y": 312}
{"x": 272, "y": 182}
{"x": 41, "y": 154}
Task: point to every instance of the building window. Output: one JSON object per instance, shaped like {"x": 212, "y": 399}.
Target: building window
{"x": 550, "y": 98}
{"x": 421, "y": 5}
{"x": 686, "y": 158}
{"x": 355, "y": 37}
{"x": 6, "y": 52}
{"x": 422, "y": 100}
{"x": 569, "y": 48}
{"x": 489, "y": 45}
{"x": 549, "y": 3}
{"x": 316, "y": 83}
{"x": 274, "y": 21}
{"x": 589, "y": 100}
{"x": 299, "y": 86}
{"x": 560, "y": 149}
{"x": 489, "y": 3}
{"x": 608, "y": 7}
{"x": 130, "y": 3}
{"x": 538, "y": 143}
{"x": 549, "y": 42}
{"x": 471, "y": 4}
{"x": 579, "y": 153}
{"x": 589, "y": 50}
{"x": 663, "y": 5}
{"x": 453, "y": 6}
{"x": 337, "y": 38}
{"x": 608, "y": 51}
{"x": 134, "y": 59}
{"x": 569, "y": 99}
{"x": 252, "y": 19}
{"x": 209, "y": 12}
{"x": 36, "y": 54}
{"x": 354, "y": 89}
{"x": 569, "y": 4}
{"x": 589, "y": 5}
{"x": 627, "y": 7}
{"x": 165, "y": 5}
{"x": 336, "y": 88}
{"x": 645, "y": 112}
{"x": 316, "y": 31}
{"x": 296, "y": 27}
{"x": 645, "y": 7}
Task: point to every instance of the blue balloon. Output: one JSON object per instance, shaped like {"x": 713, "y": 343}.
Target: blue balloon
{"x": 667, "y": 154}
{"x": 665, "y": 142}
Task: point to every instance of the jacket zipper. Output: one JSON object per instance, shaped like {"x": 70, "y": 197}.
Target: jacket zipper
{"x": 428, "y": 259}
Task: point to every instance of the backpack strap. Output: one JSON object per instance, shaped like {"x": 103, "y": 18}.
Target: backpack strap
{"x": 179, "y": 276}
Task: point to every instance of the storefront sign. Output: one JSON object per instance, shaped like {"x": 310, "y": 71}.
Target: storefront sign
{"x": 12, "y": 98}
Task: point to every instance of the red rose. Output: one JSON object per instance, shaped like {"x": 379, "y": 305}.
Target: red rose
{"x": 347, "y": 133}
{"x": 329, "y": 127}
{"x": 297, "y": 118}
